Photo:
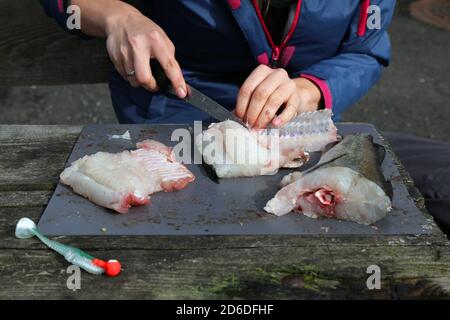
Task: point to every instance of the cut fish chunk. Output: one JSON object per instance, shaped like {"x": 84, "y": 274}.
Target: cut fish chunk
{"x": 346, "y": 184}
{"x": 121, "y": 180}
{"x": 235, "y": 151}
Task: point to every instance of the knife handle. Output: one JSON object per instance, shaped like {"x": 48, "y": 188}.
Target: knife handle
{"x": 160, "y": 76}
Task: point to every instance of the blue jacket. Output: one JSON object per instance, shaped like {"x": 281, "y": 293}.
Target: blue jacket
{"x": 219, "y": 42}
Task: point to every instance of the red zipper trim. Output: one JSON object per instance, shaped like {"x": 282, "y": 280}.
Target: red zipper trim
{"x": 60, "y": 6}
{"x": 277, "y": 49}
{"x": 363, "y": 14}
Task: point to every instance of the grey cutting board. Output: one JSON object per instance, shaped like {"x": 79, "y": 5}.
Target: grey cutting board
{"x": 232, "y": 207}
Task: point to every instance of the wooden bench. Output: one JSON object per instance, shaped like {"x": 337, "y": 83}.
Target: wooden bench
{"x": 290, "y": 267}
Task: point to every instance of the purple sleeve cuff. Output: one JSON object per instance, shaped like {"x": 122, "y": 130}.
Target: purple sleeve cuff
{"x": 323, "y": 86}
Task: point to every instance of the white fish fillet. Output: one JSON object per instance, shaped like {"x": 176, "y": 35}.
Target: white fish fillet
{"x": 235, "y": 151}
{"x": 121, "y": 180}
{"x": 240, "y": 152}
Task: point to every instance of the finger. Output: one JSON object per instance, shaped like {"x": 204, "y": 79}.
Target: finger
{"x": 262, "y": 93}
{"x": 143, "y": 73}
{"x": 117, "y": 60}
{"x": 171, "y": 46}
{"x": 118, "y": 65}
{"x": 115, "y": 57}
{"x": 163, "y": 53}
{"x": 289, "y": 112}
{"x": 274, "y": 103}
{"x": 247, "y": 88}
{"x": 128, "y": 66}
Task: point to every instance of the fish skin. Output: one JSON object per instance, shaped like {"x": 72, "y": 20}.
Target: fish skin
{"x": 347, "y": 153}
{"x": 350, "y": 173}
{"x": 120, "y": 180}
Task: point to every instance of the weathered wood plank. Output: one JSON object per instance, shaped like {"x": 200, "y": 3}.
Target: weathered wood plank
{"x": 31, "y": 157}
{"x": 36, "y": 134}
{"x": 263, "y": 272}
{"x": 21, "y": 199}
{"x": 35, "y": 50}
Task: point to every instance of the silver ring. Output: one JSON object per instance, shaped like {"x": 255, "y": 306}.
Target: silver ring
{"x": 131, "y": 73}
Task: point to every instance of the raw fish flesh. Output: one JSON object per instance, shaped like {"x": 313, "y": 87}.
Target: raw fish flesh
{"x": 240, "y": 152}
{"x": 236, "y": 152}
{"x": 311, "y": 130}
{"x": 346, "y": 184}
{"x": 121, "y": 180}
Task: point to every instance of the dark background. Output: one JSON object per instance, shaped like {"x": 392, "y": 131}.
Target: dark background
{"x": 412, "y": 96}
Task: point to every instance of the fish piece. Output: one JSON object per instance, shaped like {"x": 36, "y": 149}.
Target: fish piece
{"x": 235, "y": 151}
{"x": 126, "y": 136}
{"x": 311, "y": 130}
{"x": 346, "y": 184}
{"x": 121, "y": 180}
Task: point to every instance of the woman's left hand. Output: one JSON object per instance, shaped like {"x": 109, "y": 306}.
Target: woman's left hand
{"x": 266, "y": 90}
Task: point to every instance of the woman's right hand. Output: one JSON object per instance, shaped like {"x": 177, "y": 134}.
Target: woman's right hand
{"x": 132, "y": 40}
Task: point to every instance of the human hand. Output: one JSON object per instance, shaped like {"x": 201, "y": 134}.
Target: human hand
{"x": 264, "y": 93}
{"x": 132, "y": 40}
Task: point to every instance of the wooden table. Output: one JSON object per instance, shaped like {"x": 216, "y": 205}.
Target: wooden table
{"x": 214, "y": 267}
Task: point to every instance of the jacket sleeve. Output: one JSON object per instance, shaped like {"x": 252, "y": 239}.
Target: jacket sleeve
{"x": 57, "y": 9}
{"x": 346, "y": 77}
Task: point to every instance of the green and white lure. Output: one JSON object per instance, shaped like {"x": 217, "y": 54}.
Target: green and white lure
{"x": 26, "y": 228}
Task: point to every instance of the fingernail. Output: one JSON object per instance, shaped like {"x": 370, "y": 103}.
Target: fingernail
{"x": 276, "y": 121}
{"x": 181, "y": 93}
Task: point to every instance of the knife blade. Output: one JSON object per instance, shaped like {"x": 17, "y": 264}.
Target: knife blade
{"x": 194, "y": 97}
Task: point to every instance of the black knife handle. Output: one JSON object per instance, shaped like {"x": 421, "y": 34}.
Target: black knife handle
{"x": 159, "y": 75}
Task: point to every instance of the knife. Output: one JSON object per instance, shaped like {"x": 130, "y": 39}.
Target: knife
{"x": 194, "y": 97}
{"x": 198, "y": 100}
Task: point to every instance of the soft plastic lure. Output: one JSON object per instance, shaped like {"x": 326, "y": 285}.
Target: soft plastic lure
{"x": 26, "y": 228}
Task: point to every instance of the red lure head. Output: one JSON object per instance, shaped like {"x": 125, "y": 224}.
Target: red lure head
{"x": 112, "y": 267}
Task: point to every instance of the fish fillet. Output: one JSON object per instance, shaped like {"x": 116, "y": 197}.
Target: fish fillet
{"x": 121, "y": 180}
{"x": 346, "y": 184}
{"x": 235, "y": 151}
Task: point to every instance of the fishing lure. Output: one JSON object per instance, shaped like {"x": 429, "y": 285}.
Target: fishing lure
{"x": 26, "y": 228}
